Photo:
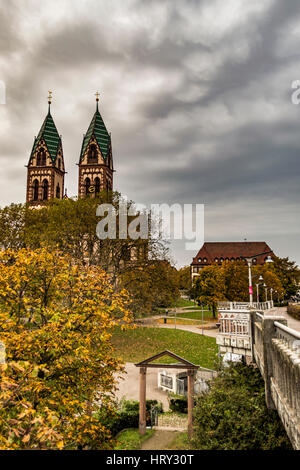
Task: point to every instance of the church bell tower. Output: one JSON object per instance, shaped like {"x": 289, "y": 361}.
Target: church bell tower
{"x": 96, "y": 161}
{"x": 46, "y": 169}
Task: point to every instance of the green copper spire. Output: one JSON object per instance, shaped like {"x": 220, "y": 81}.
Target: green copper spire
{"x": 49, "y": 134}
{"x": 98, "y": 130}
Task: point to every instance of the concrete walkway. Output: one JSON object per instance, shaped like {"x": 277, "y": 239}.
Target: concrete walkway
{"x": 192, "y": 328}
{"x": 159, "y": 441}
{"x": 129, "y": 386}
{"x": 291, "y": 322}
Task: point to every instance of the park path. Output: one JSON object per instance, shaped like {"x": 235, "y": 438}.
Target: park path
{"x": 159, "y": 441}
{"x": 291, "y": 322}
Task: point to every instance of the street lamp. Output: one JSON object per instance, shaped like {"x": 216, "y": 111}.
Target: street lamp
{"x": 266, "y": 291}
{"x": 249, "y": 260}
{"x": 257, "y": 288}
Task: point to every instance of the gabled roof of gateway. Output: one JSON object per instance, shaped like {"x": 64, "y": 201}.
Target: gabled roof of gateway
{"x": 213, "y": 250}
{"x": 49, "y": 133}
{"x": 98, "y": 130}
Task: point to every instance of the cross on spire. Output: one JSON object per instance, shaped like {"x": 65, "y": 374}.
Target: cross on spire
{"x": 97, "y": 94}
{"x": 49, "y": 98}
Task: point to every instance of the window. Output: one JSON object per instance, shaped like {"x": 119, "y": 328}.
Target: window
{"x": 41, "y": 158}
{"x": 45, "y": 190}
{"x": 216, "y": 260}
{"x": 59, "y": 163}
{"x": 58, "y": 191}
{"x": 204, "y": 260}
{"x": 87, "y": 184}
{"x": 93, "y": 154}
{"x": 97, "y": 185}
{"x": 221, "y": 260}
{"x": 199, "y": 260}
{"x": 166, "y": 381}
{"x": 35, "y": 190}
{"x": 232, "y": 259}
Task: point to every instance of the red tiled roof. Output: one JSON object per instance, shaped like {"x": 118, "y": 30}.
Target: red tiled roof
{"x": 213, "y": 250}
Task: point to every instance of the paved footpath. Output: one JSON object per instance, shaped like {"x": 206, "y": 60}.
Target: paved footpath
{"x": 159, "y": 441}
{"x": 291, "y": 322}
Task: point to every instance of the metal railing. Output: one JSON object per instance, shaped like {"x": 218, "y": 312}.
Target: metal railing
{"x": 246, "y": 305}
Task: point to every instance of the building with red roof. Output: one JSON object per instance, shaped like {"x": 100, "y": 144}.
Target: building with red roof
{"x": 219, "y": 252}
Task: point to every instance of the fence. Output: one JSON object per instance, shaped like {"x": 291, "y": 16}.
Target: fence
{"x": 246, "y": 305}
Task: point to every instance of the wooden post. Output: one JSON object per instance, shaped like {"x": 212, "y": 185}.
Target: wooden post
{"x": 142, "y": 420}
{"x": 191, "y": 378}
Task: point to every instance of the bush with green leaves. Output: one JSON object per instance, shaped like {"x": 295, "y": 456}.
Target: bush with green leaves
{"x": 233, "y": 415}
{"x": 128, "y": 415}
{"x": 178, "y": 404}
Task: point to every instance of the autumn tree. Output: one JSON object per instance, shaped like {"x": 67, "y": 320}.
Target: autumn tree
{"x": 209, "y": 287}
{"x": 56, "y": 319}
{"x": 12, "y": 226}
{"x": 151, "y": 287}
{"x": 184, "y": 278}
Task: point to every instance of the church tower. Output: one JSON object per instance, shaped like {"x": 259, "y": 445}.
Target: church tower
{"x": 46, "y": 169}
{"x": 96, "y": 161}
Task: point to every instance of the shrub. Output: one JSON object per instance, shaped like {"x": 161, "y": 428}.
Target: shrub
{"x": 294, "y": 311}
{"x": 233, "y": 415}
{"x": 178, "y": 404}
{"x": 128, "y": 415}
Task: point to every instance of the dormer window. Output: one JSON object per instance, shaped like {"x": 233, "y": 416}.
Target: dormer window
{"x": 204, "y": 260}
{"x": 199, "y": 260}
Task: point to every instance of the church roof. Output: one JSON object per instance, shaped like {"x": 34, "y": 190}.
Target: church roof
{"x": 49, "y": 133}
{"x": 231, "y": 250}
{"x": 98, "y": 130}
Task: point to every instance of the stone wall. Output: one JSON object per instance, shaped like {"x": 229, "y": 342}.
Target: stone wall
{"x": 276, "y": 353}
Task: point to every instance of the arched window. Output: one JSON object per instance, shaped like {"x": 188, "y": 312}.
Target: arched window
{"x": 38, "y": 159}
{"x": 216, "y": 260}
{"x": 57, "y": 191}
{"x": 45, "y": 190}
{"x": 35, "y": 190}
{"x": 97, "y": 185}
{"x": 87, "y": 184}
{"x": 43, "y": 158}
{"x": 93, "y": 155}
{"x": 59, "y": 163}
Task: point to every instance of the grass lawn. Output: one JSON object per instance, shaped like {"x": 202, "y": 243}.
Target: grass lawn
{"x": 130, "y": 439}
{"x": 181, "y": 442}
{"x": 185, "y": 303}
{"x": 197, "y": 315}
{"x": 143, "y": 342}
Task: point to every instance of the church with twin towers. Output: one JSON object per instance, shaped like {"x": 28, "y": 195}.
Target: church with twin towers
{"x": 46, "y": 166}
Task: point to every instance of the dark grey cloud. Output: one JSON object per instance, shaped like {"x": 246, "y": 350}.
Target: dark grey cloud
{"x": 196, "y": 94}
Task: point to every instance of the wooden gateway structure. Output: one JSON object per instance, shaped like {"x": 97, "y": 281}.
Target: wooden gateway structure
{"x": 180, "y": 364}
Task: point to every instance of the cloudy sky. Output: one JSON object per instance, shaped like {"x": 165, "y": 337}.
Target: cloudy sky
{"x": 197, "y": 95}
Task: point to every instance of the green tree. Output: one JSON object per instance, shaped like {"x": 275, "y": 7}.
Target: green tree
{"x": 151, "y": 287}
{"x": 289, "y": 274}
{"x": 233, "y": 415}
